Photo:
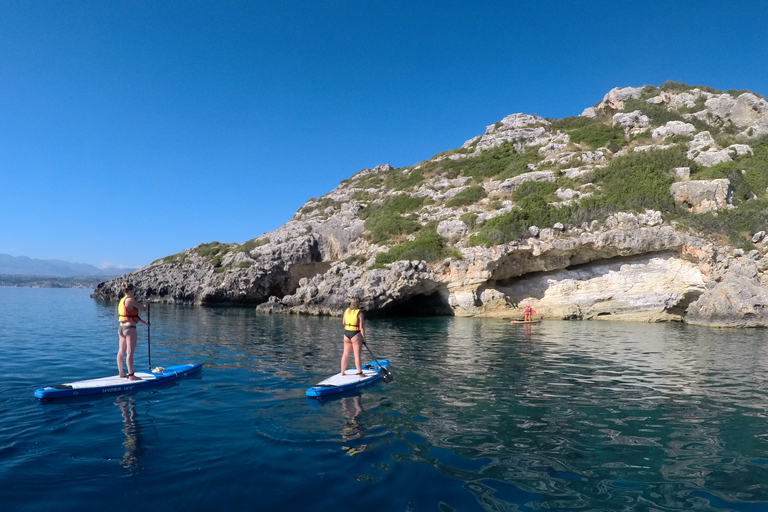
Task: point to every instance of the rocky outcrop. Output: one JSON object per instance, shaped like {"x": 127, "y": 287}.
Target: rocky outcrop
{"x": 703, "y": 196}
{"x": 627, "y": 266}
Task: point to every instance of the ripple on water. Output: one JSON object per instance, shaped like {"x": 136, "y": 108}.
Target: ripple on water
{"x": 482, "y": 415}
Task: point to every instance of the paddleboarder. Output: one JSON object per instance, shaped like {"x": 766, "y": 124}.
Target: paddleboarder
{"x": 354, "y": 335}
{"x": 527, "y": 312}
{"x": 128, "y": 316}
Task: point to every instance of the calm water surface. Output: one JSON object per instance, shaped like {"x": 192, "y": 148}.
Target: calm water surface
{"x": 482, "y": 415}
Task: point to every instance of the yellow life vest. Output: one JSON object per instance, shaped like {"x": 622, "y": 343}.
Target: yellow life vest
{"x": 125, "y": 314}
{"x": 351, "y": 322}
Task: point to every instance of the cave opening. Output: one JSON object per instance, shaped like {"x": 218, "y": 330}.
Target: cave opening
{"x": 419, "y": 305}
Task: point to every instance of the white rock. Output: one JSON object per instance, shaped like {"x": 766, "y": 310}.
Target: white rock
{"x": 673, "y": 128}
{"x": 632, "y": 122}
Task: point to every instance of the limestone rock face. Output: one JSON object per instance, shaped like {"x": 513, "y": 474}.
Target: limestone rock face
{"x": 744, "y": 112}
{"x": 703, "y": 196}
{"x": 673, "y": 128}
{"x": 617, "y": 96}
{"x": 519, "y": 129}
{"x": 737, "y": 301}
{"x": 629, "y": 266}
{"x": 632, "y": 122}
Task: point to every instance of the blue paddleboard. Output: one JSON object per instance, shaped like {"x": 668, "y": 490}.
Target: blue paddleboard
{"x": 116, "y": 384}
{"x": 350, "y": 380}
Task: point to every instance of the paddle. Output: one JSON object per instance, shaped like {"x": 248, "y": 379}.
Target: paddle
{"x": 386, "y": 375}
{"x": 149, "y": 344}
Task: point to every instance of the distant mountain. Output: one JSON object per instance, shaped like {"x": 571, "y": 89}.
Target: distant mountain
{"x": 23, "y": 265}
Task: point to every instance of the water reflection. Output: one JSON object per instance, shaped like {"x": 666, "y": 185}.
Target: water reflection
{"x": 132, "y": 430}
{"x": 556, "y": 415}
{"x": 352, "y": 428}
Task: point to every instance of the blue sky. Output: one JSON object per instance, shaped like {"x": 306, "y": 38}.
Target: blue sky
{"x": 131, "y": 130}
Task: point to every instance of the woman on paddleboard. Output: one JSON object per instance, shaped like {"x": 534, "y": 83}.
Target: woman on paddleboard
{"x": 354, "y": 335}
{"x": 128, "y": 316}
{"x": 527, "y": 312}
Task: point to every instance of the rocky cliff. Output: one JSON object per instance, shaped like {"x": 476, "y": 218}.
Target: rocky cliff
{"x": 649, "y": 206}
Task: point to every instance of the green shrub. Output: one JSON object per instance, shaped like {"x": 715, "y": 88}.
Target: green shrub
{"x": 539, "y": 189}
{"x": 658, "y": 114}
{"x": 387, "y": 219}
{"x": 372, "y": 180}
{"x": 317, "y": 204}
{"x": 466, "y": 197}
{"x": 363, "y": 196}
{"x": 738, "y": 224}
{"x": 671, "y": 86}
{"x": 501, "y": 229}
{"x": 252, "y": 244}
{"x": 398, "y": 180}
{"x": 598, "y": 135}
{"x": 634, "y": 182}
{"x": 428, "y": 246}
{"x": 500, "y": 163}
{"x": 210, "y": 249}
{"x": 641, "y": 180}
{"x": 567, "y": 124}
{"x": 592, "y": 132}
{"x": 173, "y": 258}
{"x": 752, "y": 181}
{"x": 513, "y": 225}
{"x": 470, "y": 219}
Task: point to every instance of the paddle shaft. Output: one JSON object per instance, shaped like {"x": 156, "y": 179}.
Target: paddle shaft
{"x": 149, "y": 338}
{"x": 386, "y": 375}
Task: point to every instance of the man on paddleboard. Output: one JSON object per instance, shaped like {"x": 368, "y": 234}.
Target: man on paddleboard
{"x": 128, "y": 316}
{"x": 354, "y": 335}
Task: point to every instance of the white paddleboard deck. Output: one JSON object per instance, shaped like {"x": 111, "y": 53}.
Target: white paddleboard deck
{"x": 115, "y": 383}
{"x": 338, "y": 383}
{"x": 349, "y": 377}
{"x": 108, "y": 382}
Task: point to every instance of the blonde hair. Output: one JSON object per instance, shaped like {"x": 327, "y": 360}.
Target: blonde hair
{"x": 354, "y": 303}
{"x": 127, "y": 286}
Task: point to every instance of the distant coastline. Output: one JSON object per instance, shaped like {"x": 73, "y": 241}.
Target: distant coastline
{"x": 88, "y": 282}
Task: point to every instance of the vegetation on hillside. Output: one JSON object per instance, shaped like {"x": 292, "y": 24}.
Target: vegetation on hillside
{"x": 634, "y": 181}
{"x": 390, "y": 218}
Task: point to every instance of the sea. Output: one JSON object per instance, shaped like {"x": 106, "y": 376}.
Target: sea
{"x": 482, "y": 415}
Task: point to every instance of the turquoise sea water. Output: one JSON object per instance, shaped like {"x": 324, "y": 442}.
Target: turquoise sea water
{"x": 482, "y": 415}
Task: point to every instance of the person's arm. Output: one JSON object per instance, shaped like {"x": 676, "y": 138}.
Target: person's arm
{"x": 360, "y": 324}
{"x": 134, "y": 304}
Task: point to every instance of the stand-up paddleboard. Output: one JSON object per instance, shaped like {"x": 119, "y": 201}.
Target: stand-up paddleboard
{"x": 525, "y": 321}
{"x": 350, "y": 380}
{"x": 116, "y": 384}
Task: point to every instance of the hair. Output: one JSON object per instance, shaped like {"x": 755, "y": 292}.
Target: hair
{"x": 354, "y": 303}
{"x": 127, "y": 286}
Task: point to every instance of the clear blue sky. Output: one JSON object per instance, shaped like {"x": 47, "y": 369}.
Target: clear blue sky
{"x": 131, "y": 130}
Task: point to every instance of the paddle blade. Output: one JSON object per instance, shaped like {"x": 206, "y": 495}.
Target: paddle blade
{"x": 386, "y": 375}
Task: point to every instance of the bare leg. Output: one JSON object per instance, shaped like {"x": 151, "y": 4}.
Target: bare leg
{"x": 345, "y": 355}
{"x": 356, "y": 342}
{"x": 131, "y": 338}
{"x": 122, "y": 343}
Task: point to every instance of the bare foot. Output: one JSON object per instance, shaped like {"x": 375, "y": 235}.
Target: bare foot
{"x": 133, "y": 377}
{"x": 122, "y": 376}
